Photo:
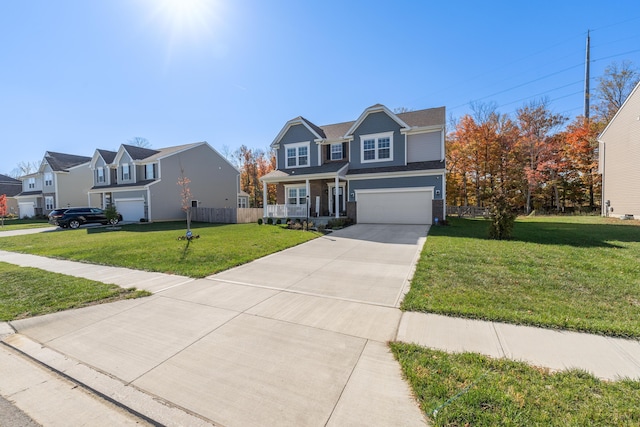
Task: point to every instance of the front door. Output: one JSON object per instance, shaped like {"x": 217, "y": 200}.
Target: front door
{"x": 340, "y": 199}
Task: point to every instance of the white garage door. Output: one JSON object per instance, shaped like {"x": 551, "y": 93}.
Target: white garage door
{"x": 394, "y": 205}
{"x": 130, "y": 209}
{"x": 26, "y": 209}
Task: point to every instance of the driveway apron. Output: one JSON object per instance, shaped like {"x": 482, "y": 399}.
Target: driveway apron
{"x": 297, "y": 338}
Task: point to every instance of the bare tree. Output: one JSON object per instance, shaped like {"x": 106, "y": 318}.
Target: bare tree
{"x": 614, "y": 86}
{"x": 25, "y": 168}
{"x": 139, "y": 141}
{"x": 400, "y": 110}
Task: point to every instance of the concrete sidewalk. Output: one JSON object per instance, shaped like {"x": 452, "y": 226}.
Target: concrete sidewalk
{"x": 284, "y": 340}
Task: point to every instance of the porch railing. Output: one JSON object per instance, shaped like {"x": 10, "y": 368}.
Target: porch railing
{"x": 286, "y": 211}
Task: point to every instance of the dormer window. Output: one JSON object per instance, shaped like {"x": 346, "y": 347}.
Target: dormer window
{"x": 100, "y": 175}
{"x": 336, "y": 152}
{"x": 297, "y": 155}
{"x": 126, "y": 172}
{"x": 149, "y": 171}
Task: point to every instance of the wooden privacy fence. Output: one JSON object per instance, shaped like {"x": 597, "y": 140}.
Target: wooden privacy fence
{"x": 246, "y": 215}
{"x": 226, "y": 215}
{"x": 470, "y": 211}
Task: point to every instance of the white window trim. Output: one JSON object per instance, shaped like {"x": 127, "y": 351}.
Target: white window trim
{"x": 242, "y": 202}
{"x": 332, "y": 187}
{"x": 48, "y": 206}
{"x": 128, "y": 178}
{"x": 101, "y": 174}
{"x": 48, "y": 179}
{"x": 146, "y": 171}
{"x": 376, "y": 137}
{"x": 332, "y": 152}
{"x": 31, "y": 183}
{"x": 298, "y": 187}
{"x": 297, "y": 146}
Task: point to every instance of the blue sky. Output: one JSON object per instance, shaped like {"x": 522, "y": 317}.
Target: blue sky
{"x": 78, "y": 75}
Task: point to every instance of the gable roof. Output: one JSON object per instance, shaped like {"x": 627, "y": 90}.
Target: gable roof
{"x": 139, "y": 153}
{"x": 315, "y": 130}
{"x": 61, "y": 162}
{"x": 631, "y": 95}
{"x": 107, "y": 155}
{"x": 10, "y": 186}
{"x": 378, "y": 108}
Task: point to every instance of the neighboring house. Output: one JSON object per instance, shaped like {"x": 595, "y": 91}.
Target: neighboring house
{"x": 381, "y": 168}
{"x": 619, "y": 159}
{"x": 10, "y": 187}
{"x": 61, "y": 181}
{"x": 243, "y": 199}
{"x": 143, "y": 182}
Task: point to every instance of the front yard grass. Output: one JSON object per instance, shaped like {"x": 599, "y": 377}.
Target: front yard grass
{"x": 578, "y": 273}
{"x": 473, "y": 390}
{"x": 155, "y": 247}
{"x": 20, "y": 224}
{"x": 26, "y": 292}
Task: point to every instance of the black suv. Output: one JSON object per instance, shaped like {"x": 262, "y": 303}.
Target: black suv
{"x": 75, "y": 217}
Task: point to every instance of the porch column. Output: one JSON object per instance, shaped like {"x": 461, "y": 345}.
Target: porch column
{"x": 308, "y": 197}
{"x": 337, "y": 198}
{"x": 264, "y": 199}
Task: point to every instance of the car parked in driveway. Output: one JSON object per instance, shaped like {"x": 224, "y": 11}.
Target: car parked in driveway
{"x": 75, "y": 217}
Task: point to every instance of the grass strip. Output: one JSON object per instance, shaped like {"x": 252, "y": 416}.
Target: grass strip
{"x": 473, "y": 390}
{"x": 27, "y": 292}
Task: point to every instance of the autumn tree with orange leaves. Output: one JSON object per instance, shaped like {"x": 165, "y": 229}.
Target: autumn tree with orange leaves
{"x": 254, "y": 164}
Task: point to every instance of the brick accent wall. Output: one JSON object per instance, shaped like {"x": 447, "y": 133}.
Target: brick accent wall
{"x": 436, "y": 210}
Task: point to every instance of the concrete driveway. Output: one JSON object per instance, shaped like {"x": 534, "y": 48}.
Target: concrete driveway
{"x": 297, "y": 338}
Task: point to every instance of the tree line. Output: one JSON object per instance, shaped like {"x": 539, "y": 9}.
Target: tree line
{"x": 536, "y": 159}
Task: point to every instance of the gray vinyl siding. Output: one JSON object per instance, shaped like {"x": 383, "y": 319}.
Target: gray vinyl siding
{"x": 400, "y": 182}
{"x": 377, "y": 123}
{"x": 620, "y": 159}
{"x": 100, "y": 163}
{"x": 132, "y": 170}
{"x": 295, "y": 134}
{"x": 73, "y": 186}
{"x": 48, "y": 188}
{"x": 214, "y": 183}
{"x": 424, "y": 147}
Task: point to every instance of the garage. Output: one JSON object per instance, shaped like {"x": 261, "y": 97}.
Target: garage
{"x": 26, "y": 209}
{"x": 394, "y": 205}
{"x": 130, "y": 209}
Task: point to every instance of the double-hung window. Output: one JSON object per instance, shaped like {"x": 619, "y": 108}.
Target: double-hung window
{"x": 126, "y": 172}
{"x": 48, "y": 203}
{"x": 296, "y": 196}
{"x": 100, "y": 175}
{"x": 297, "y": 154}
{"x": 48, "y": 179}
{"x": 149, "y": 171}
{"x": 31, "y": 183}
{"x": 336, "y": 152}
{"x": 377, "y": 148}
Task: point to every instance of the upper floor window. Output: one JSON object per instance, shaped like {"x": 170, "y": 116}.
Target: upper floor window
{"x": 297, "y": 154}
{"x": 100, "y": 174}
{"x": 48, "y": 178}
{"x": 377, "y": 148}
{"x": 31, "y": 183}
{"x": 149, "y": 171}
{"x": 126, "y": 172}
{"x": 336, "y": 152}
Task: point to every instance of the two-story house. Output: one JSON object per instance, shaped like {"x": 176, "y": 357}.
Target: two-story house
{"x": 10, "y": 187}
{"x": 381, "y": 168}
{"x": 143, "y": 182}
{"x": 619, "y": 158}
{"x": 61, "y": 181}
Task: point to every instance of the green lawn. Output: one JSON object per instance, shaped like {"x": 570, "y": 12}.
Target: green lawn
{"x": 20, "y": 224}
{"x": 472, "y": 390}
{"x": 579, "y": 273}
{"x": 26, "y": 292}
{"x": 155, "y": 247}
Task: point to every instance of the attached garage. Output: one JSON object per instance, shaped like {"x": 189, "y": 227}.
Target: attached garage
{"x": 130, "y": 209}
{"x": 26, "y": 209}
{"x": 394, "y": 205}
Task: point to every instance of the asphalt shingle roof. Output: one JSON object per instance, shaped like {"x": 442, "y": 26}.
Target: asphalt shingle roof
{"x": 10, "y": 186}
{"x": 139, "y": 153}
{"x": 107, "y": 156}
{"x": 61, "y": 162}
{"x": 416, "y": 166}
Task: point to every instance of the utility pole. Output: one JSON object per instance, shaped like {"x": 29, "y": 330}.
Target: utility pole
{"x": 586, "y": 78}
